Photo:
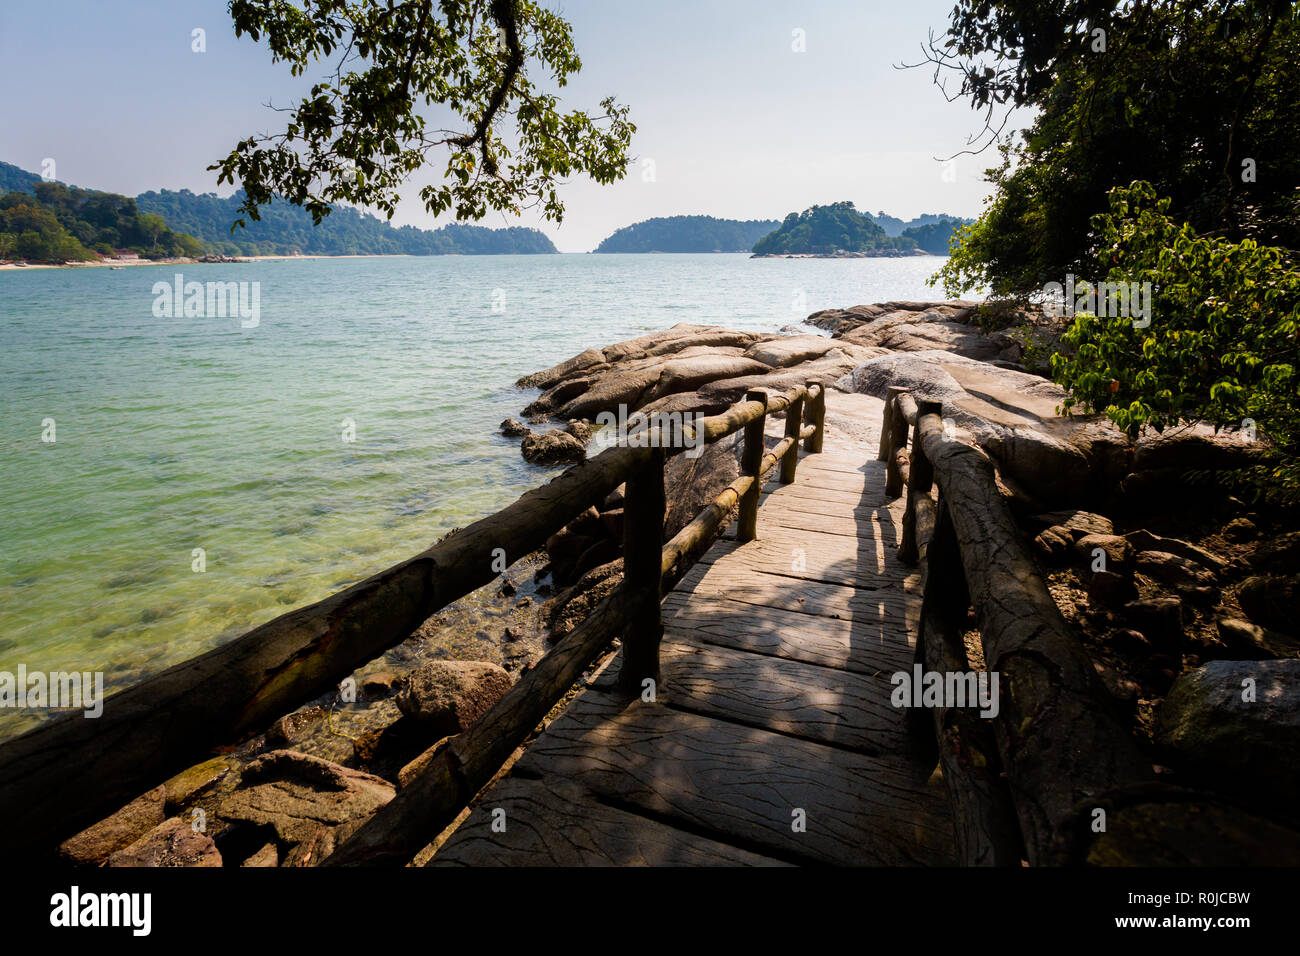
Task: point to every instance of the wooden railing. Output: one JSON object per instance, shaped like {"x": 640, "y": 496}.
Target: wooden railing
{"x": 1018, "y": 782}
{"x": 71, "y": 771}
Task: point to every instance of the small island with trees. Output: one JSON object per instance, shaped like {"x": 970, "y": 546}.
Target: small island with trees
{"x": 840, "y": 231}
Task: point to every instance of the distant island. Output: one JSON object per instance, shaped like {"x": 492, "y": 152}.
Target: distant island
{"x": 688, "y": 234}
{"x": 53, "y": 222}
{"x": 840, "y": 230}
{"x": 835, "y": 230}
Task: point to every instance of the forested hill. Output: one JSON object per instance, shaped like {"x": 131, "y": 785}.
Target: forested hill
{"x": 688, "y": 234}
{"x": 827, "y": 230}
{"x": 15, "y": 179}
{"x": 894, "y": 226}
{"x": 286, "y": 229}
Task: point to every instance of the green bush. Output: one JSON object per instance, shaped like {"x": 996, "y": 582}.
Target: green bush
{"x": 1223, "y": 341}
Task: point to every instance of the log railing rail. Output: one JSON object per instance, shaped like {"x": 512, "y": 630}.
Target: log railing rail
{"x": 70, "y": 771}
{"x": 1018, "y": 781}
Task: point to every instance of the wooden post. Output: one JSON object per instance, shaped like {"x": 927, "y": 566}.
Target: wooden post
{"x": 885, "y": 453}
{"x": 793, "y": 422}
{"x": 750, "y": 463}
{"x": 920, "y": 477}
{"x": 816, "y": 417}
{"x": 643, "y": 541}
{"x": 894, "y": 438}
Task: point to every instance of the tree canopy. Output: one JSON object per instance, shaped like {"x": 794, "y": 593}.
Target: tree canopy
{"x": 1195, "y": 98}
{"x": 362, "y": 130}
{"x": 825, "y": 230}
{"x": 1162, "y": 153}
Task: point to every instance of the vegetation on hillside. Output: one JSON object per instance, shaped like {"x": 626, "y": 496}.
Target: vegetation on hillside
{"x": 894, "y": 226}
{"x": 61, "y": 224}
{"x": 826, "y": 230}
{"x": 285, "y": 229}
{"x": 934, "y": 237}
{"x": 688, "y": 234}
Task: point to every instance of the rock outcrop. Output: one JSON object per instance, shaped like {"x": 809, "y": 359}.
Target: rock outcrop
{"x": 1236, "y": 726}
{"x": 447, "y": 697}
{"x": 310, "y": 804}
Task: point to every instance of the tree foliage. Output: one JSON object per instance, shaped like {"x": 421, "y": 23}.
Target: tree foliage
{"x": 1224, "y": 338}
{"x": 1196, "y": 98}
{"x": 362, "y": 131}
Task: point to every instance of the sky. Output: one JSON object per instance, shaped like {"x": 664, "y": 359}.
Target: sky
{"x": 733, "y": 121}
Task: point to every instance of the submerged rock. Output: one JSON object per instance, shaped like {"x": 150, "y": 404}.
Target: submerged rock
{"x": 514, "y": 428}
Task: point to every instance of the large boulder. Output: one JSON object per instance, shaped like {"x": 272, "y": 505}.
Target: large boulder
{"x": 791, "y": 350}
{"x": 554, "y": 447}
{"x": 1012, "y": 415}
{"x": 448, "y": 697}
{"x": 310, "y": 803}
{"x": 826, "y": 370}
{"x": 174, "y": 843}
{"x": 636, "y": 387}
{"x": 690, "y": 484}
{"x": 1235, "y": 725}
{"x": 1246, "y": 640}
{"x": 1184, "y": 576}
{"x": 663, "y": 342}
{"x": 96, "y": 844}
{"x": 1271, "y": 600}
{"x": 912, "y": 332}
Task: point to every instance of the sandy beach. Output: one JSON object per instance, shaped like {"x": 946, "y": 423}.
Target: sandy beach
{"x": 115, "y": 263}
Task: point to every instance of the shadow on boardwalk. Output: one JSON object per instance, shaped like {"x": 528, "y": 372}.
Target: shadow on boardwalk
{"x": 772, "y": 739}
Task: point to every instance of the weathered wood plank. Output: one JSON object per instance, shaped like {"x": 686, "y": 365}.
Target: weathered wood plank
{"x": 804, "y": 700}
{"x": 851, "y": 644}
{"x": 836, "y": 559}
{"x": 720, "y": 580}
{"x": 867, "y": 497}
{"x": 553, "y": 822}
{"x": 748, "y": 785}
{"x": 874, "y": 522}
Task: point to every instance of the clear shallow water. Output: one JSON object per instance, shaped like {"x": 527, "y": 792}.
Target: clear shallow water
{"x": 181, "y": 433}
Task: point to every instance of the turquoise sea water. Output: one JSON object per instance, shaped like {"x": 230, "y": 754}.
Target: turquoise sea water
{"x": 173, "y": 434}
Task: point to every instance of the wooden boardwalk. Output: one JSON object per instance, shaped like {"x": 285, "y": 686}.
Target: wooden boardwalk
{"x": 772, "y": 740}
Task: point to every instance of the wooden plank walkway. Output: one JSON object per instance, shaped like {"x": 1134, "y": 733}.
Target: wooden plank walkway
{"x": 774, "y": 708}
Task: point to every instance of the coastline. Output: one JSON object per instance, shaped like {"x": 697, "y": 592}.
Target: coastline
{"x": 186, "y": 261}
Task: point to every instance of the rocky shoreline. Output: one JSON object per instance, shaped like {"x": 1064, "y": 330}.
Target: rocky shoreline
{"x": 1175, "y": 593}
